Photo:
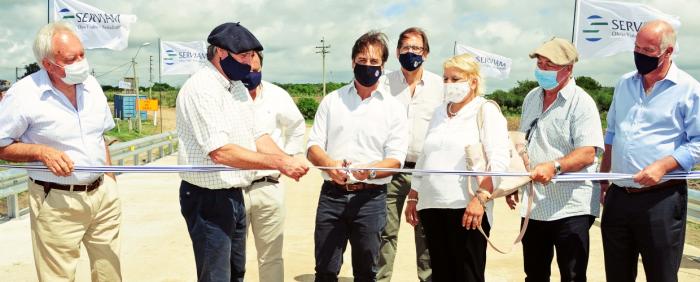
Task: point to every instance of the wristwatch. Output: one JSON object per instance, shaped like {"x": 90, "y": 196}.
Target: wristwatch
{"x": 372, "y": 174}
{"x": 557, "y": 167}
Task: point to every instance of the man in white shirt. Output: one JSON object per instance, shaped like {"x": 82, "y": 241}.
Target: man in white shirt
{"x": 359, "y": 125}
{"x": 58, "y": 116}
{"x": 275, "y": 112}
{"x": 215, "y": 125}
{"x": 421, "y": 91}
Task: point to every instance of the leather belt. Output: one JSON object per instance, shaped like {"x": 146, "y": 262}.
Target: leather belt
{"x": 269, "y": 179}
{"x": 355, "y": 186}
{"x": 667, "y": 184}
{"x": 73, "y": 188}
{"x": 409, "y": 165}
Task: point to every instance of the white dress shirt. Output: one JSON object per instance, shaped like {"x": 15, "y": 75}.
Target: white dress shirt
{"x": 444, "y": 150}
{"x": 361, "y": 131}
{"x": 212, "y": 112}
{"x": 34, "y": 112}
{"x": 276, "y": 112}
{"x": 420, "y": 105}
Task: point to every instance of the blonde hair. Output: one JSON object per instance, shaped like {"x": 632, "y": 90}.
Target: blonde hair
{"x": 467, "y": 65}
{"x": 43, "y": 43}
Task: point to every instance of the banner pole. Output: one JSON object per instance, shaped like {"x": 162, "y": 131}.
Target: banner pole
{"x": 575, "y": 24}
{"x": 454, "y": 49}
{"x": 160, "y": 61}
{"x": 48, "y": 11}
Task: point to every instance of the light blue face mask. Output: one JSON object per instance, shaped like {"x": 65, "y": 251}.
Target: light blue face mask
{"x": 546, "y": 79}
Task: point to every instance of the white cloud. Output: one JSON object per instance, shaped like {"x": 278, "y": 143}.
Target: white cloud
{"x": 290, "y": 30}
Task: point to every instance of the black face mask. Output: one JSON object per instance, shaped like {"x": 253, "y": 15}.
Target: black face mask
{"x": 645, "y": 64}
{"x": 252, "y": 80}
{"x": 233, "y": 69}
{"x": 410, "y": 61}
{"x": 367, "y": 75}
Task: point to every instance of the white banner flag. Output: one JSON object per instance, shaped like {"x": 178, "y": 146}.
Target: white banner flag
{"x": 182, "y": 57}
{"x": 124, "y": 85}
{"x": 605, "y": 28}
{"x": 96, "y": 28}
{"x": 492, "y": 65}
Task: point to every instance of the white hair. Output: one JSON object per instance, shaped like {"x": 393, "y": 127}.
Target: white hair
{"x": 43, "y": 43}
{"x": 668, "y": 39}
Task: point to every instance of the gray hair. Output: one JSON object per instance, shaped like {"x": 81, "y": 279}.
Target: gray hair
{"x": 43, "y": 43}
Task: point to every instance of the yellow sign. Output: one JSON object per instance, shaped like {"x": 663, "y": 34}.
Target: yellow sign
{"x": 148, "y": 104}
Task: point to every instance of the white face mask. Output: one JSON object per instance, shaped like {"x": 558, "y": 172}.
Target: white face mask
{"x": 76, "y": 72}
{"x": 457, "y": 91}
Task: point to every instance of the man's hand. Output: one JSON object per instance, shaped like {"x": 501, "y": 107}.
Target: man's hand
{"x": 512, "y": 200}
{"x": 58, "y": 162}
{"x": 361, "y": 174}
{"x": 338, "y": 176}
{"x": 294, "y": 168}
{"x": 650, "y": 175}
{"x": 543, "y": 172}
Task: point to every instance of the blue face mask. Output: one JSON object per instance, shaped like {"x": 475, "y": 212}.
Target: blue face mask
{"x": 410, "y": 61}
{"x": 367, "y": 75}
{"x": 546, "y": 79}
{"x": 233, "y": 69}
{"x": 252, "y": 80}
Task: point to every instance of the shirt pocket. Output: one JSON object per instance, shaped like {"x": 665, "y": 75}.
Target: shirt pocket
{"x": 560, "y": 131}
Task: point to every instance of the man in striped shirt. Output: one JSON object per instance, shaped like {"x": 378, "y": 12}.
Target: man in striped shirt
{"x": 563, "y": 129}
{"x": 215, "y": 125}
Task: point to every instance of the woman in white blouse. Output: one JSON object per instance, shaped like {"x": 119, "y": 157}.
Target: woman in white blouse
{"x": 449, "y": 214}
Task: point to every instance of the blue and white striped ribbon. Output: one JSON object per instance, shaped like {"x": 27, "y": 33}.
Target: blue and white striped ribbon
{"x": 573, "y": 176}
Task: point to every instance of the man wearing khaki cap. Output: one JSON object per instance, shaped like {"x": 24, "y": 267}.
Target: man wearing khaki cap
{"x": 563, "y": 130}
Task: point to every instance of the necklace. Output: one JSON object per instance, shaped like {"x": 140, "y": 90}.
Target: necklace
{"x": 449, "y": 110}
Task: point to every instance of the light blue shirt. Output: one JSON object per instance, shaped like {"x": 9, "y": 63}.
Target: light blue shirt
{"x": 34, "y": 112}
{"x": 645, "y": 128}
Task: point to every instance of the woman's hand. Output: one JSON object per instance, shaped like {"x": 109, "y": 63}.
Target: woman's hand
{"x": 411, "y": 213}
{"x": 473, "y": 214}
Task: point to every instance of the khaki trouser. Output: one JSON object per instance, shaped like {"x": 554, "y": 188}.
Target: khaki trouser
{"x": 397, "y": 191}
{"x": 264, "y": 205}
{"x": 63, "y": 219}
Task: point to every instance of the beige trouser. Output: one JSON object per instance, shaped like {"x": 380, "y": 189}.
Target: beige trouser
{"x": 63, "y": 219}
{"x": 264, "y": 205}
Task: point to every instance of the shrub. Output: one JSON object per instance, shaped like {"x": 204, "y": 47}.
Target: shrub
{"x": 307, "y": 106}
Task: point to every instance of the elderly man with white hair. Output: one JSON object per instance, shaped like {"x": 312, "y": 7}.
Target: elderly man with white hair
{"x": 58, "y": 117}
{"x": 653, "y": 129}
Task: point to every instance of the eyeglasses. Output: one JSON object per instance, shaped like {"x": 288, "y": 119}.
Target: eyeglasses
{"x": 409, "y": 48}
{"x": 529, "y": 132}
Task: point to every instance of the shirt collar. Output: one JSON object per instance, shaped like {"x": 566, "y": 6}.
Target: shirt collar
{"x": 566, "y": 92}
{"x": 672, "y": 75}
{"x": 379, "y": 92}
{"x": 44, "y": 84}
{"x": 225, "y": 82}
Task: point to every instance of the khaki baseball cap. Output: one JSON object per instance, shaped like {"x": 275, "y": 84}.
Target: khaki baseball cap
{"x": 559, "y": 51}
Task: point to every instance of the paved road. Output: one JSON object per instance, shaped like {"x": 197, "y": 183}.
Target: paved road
{"x": 156, "y": 247}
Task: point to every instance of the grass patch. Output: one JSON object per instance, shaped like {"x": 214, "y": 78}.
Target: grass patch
{"x": 121, "y": 130}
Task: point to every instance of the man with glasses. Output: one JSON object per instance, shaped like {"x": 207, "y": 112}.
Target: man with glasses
{"x": 420, "y": 91}
{"x": 564, "y": 135}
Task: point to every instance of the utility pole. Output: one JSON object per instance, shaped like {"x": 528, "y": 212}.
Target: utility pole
{"x": 136, "y": 87}
{"x": 150, "y": 75}
{"x": 17, "y": 74}
{"x": 323, "y": 51}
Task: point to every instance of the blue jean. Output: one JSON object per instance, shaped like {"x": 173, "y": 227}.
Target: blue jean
{"x": 359, "y": 217}
{"x": 217, "y": 225}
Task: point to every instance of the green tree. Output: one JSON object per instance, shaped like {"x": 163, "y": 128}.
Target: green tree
{"x": 30, "y": 69}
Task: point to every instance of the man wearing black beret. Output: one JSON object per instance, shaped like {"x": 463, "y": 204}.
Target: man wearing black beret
{"x": 215, "y": 125}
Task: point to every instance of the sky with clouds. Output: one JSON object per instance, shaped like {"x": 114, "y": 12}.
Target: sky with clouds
{"x": 290, "y": 29}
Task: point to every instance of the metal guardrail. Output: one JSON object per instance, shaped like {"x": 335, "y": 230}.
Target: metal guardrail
{"x": 135, "y": 152}
{"x": 694, "y": 206}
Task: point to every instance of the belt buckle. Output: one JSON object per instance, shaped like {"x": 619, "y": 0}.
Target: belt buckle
{"x": 352, "y": 187}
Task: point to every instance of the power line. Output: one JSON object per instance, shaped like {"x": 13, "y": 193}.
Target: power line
{"x": 113, "y": 69}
